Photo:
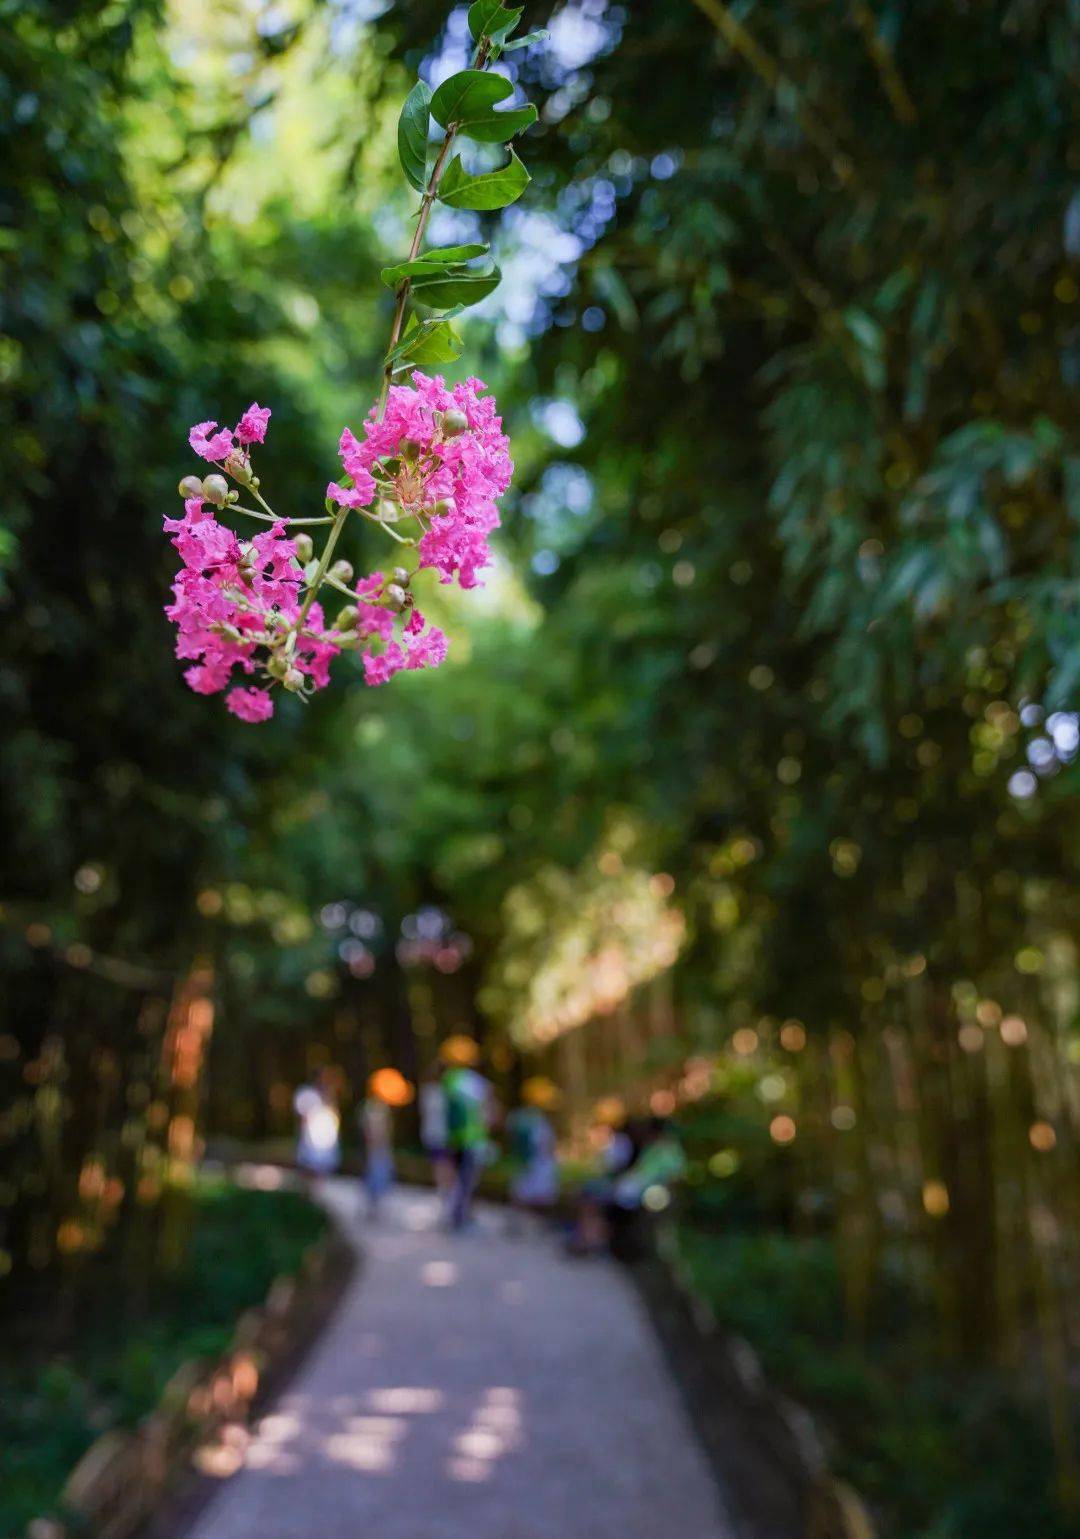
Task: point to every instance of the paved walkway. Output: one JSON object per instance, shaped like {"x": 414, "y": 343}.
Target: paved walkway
{"x": 473, "y": 1387}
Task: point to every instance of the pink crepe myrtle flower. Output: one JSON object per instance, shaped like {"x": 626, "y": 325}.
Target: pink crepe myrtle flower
{"x": 251, "y": 429}
{"x": 424, "y": 647}
{"x": 434, "y": 463}
{"x": 441, "y": 456}
{"x": 421, "y": 646}
{"x": 210, "y": 442}
{"x": 380, "y": 667}
{"x": 250, "y": 704}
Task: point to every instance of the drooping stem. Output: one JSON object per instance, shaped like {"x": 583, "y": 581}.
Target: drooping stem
{"x": 396, "y": 325}
{"x": 405, "y": 285}
{"x": 423, "y": 214}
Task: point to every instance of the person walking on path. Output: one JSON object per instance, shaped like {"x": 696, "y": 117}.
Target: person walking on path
{"x": 386, "y": 1087}
{"x": 434, "y": 1136}
{"x": 534, "y": 1180}
{"x": 317, "y": 1148}
{"x": 468, "y": 1120}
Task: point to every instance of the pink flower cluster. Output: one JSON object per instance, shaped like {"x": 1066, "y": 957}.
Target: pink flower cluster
{"x": 234, "y": 600}
{"x": 435, "y": 462}
{"x": 421, "y": 645}
{"x": 437, "y": 455}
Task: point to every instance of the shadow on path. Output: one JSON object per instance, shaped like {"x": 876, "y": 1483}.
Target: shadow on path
{"x": 472, "y": 1387}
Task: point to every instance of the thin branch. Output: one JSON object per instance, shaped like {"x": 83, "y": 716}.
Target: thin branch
{"x": 765, "y": 66}
{"x": 892, "y": 81}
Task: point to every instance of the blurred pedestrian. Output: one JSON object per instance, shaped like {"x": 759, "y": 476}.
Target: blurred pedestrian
{"x": 469, "y": 1110}
{"x": 619, "y": 1142}
{"x": 534, "y": 1179}
{"x": 318, "y": 1150}
{"x": 387, "y": 1089}
{"x": 434, "y": 1136}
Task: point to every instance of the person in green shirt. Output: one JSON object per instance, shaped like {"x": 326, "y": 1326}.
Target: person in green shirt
{"x": 468, "y": 1118}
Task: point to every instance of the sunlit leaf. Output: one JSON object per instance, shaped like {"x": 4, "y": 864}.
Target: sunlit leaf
{"x": 468, "y": 97}
{"x": 482, "y": 15}
{"x": 444, "y": 290}
{"x": 436, "y": 260}
{"x": 527, "y": 41}
{"x": 501, "y": 126}
{"x": 491, "y": 189}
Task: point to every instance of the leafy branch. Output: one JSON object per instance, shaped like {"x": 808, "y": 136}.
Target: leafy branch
{"x": 442, "y": 280}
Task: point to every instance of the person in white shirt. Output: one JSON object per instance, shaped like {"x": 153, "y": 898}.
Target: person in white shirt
{"x": 318, "y": 1150}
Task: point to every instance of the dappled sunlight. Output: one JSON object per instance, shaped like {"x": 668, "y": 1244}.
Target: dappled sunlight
{"x": 438, "y": 1274}
{"x": 366, "y": 1443}
{"x": 406, "y": 1400}
{"x": 496, "y": 1429}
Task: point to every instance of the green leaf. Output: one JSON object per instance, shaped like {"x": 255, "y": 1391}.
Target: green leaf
{"x": 492, "y": 189}
{"x": 432, "y": 261}
{"x": 468, "y": 97}
{"x": 501, "y": 126}
{"x": 482, "y": 15}
{"x": 464, "y": 288}
{"x": 412, "y": 134}
{"x": 506, "y": 24}
{"x": 426, "y": 342}
{"x": 525, "y": 42}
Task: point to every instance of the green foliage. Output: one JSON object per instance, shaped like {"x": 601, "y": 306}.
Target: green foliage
{"x": 455, "y": 288}
{"x": 467, "y": 101}
{"x": 432, "y": 262}
{"x": 777, "y": 610}
{"x": 412, "y": 135}
{"x": 56, "y": 1398}
{"x": 426, "y": 342}
{"x": 936, "y": 1453}
{"x": 490, "y": 20}
{"x": 487, "y": 190}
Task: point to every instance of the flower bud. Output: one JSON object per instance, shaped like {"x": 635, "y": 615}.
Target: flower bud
{"x": 400, "y": 575}
{"x": 453, "y": 423}
{"x": 277, "y": 666}
{"x": 342, "y": 571}
{"x": 216, "y": 490}
{"x": 395, "y": 595}
{"x": 293, "y": 681}
{"x": 239, "y": 467}
{"x": 409, "y": 448}
{"x": 304, "y": 548}
{"x": 386, "y": 510}
{"x": 346, "y": 618}
{"x": 190, "y": 486}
